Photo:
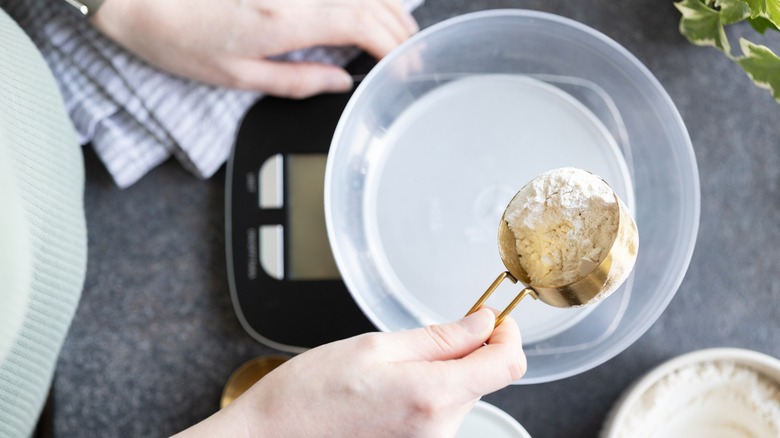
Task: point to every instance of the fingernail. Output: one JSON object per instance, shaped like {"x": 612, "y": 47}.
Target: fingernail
{"x": 339, "y": 82}
{"x": 411, "y": 24}
{"x": 478, "y": 322}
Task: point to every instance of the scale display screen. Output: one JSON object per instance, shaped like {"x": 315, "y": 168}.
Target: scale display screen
{"x": 309, "y": 255}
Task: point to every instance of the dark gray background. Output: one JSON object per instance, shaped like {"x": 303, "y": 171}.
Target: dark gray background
{"x": 155, "y": 336}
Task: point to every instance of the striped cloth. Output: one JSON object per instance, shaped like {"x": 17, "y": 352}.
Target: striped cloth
{"x": 134, "y": 115}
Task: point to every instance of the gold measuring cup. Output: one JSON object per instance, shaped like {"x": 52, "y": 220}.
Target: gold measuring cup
{"x": 247, "y": 375}
{"x": 588, "y": 288}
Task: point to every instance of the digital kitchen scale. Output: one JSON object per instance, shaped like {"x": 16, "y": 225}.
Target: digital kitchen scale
{"x": 284, "y": 284}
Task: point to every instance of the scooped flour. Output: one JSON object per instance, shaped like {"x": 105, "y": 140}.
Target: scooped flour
{"x": 712, "y": 400}
{"x": 564, "y": 222}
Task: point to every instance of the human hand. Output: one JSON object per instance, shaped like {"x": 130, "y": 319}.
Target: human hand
{"x": 229, "y": 43}
{"x": 416, "y": 383}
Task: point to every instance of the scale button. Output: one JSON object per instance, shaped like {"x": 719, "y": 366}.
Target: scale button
{"x": 272, "y": 250}
{"x": 270, "y": 183}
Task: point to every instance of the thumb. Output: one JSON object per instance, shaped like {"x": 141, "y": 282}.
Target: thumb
{"x": 445, "y": 341}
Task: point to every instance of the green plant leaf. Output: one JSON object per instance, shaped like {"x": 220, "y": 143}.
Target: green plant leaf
{"x": 702, "y": 25}
{"x": 761, "y": 65}
{"x": 732, "y": 11}
{"x": 769, "y": 9}
{"x": 761, "y": 24}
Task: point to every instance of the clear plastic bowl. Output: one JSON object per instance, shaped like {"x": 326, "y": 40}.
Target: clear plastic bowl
{"x": 444, "y": 130}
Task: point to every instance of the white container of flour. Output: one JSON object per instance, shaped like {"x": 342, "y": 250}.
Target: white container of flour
{"x": 713, "y": 393}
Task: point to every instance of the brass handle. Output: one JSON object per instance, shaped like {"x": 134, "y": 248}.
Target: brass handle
{"x": 511, "y": 306}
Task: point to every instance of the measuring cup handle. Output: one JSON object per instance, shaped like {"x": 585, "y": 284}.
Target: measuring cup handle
{"x": 511, "y": 306}
{"x": 514, "y": 303}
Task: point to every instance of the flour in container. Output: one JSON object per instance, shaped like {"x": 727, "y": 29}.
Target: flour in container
{"x": 707, "y": 400}
{"x": 565, "y": 222}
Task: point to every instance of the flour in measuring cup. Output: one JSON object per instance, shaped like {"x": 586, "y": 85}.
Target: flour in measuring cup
{"x": 564, "y": 222}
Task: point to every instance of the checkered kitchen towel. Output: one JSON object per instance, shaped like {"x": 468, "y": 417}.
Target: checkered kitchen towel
{"x": 134, "y": 115}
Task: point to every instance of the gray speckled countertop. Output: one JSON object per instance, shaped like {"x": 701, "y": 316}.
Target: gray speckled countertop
{"x": 155, "y": 336}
